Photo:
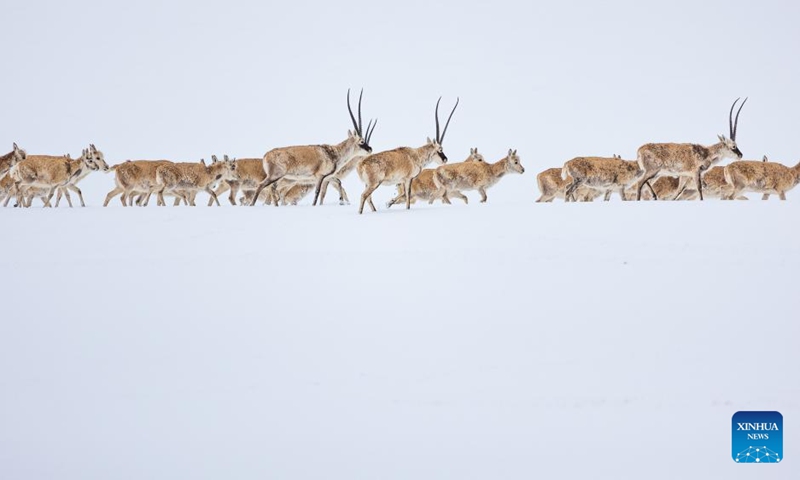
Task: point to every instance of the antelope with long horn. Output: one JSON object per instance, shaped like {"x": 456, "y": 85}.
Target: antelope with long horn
{"x": 687, "y": 160}
{"x": 401, "y": 165}
{"x": 344, "y": 169}
{"x": 317, "y": 162}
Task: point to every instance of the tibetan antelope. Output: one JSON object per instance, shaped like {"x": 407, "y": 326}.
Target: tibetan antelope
{"x": 52, "y": 172}
{"x": 714, "y": 183}
{"x": 663, "y": 188}
{"x": 317, "y": 162}
{"x": 249, "y": 175}
{"x": 134, "y": 177}
{"x": 480, "y": 176}
{"x": 686, "y": 160}
{"x": 6, "y": 186}
{"x": 345, "y": 167}
{"x": 11, "y": 158}
{"x": 98, "y": 164}
{"x": 423, "y": 187}
{"x": 401, "y": 165}
{"x": 290, "y": 193}
{"x": 552, "y": 186}
{"x": 767, "y": 178}
{"x": 601, "y": 174}
{"x": 186, "y": 179}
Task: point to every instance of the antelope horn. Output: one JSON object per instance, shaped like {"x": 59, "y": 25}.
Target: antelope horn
{"x": 356, "y": 125}
{"x": 360, "y": 123}
{"x": 444, "y": 132}
{"x": 366, "y": 137}
{"x": 369, "y": 131}
{"x": 437, "y": 120}
{"x": 736, "y": 122}
{"x": 730, "y": 118}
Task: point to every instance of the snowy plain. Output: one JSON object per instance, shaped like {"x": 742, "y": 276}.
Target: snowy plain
{"x": 503, "y": 341}
{"x": 506, "y": 340}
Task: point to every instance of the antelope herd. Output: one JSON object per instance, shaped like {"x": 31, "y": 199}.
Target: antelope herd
{"x": 286, "y": 175}
{"x": 666, "y": 169}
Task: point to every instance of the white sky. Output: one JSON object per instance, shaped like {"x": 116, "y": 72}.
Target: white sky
{"x": 183, "y": 80}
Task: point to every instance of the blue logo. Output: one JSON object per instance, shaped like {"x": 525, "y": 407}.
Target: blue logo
{"x": 757, "y": 437}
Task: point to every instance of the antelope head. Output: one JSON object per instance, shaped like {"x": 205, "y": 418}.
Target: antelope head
{"x": 96, "y": 160}
{"x": 85, "y": 161}
{"x": 19, "y": 155}
{"x": 226, "y": 169}
{"x": 729, "y": 144}
{"x": 474, "y": 156}
{"x": 437, "y": 142}
{"x": 358, "y": 135}
{"x": 513, "y": 162}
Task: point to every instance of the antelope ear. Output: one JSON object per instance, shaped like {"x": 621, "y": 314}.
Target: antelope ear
{"x": 515, "y": 152}
{"x": 721, "y": 138}
{"x": 430, "y": 141}
{"x": 510, "y": 152}
{"x": 15, "y": 146}
{"x": 203, "y": 161}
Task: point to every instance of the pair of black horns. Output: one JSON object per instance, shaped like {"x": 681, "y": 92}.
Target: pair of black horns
{"x": 440, "y": 136}
{"x": 733, "y": 126}
{"x": 359, "y": 125}
{"x": 370, "y": 130}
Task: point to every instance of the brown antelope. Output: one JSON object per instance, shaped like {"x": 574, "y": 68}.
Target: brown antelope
{"x": 401, "y": 165}
{"x": 185, "y": 179}
{"x": 317, "y": 162}
{"x": 51, "y": 173}
{"x": 423, "y": 187}
{"x": 99, "y": 164}
{"x": 290, "y": 193}
{"x": 11, "y": 158}
{"x": 767, "y": 178}
{"x": 450, "y": 179}
{"x": 6, "y": 185}
{"x": 687, "y": 160}
{"x": 249, "y": 175}
{"x": 714, "y": 183}
{"x": 665, "y": 188}
{"x": 600, "y": 173}
{"x": 135, "y": 177}
{"x": 553, "y": 186}
{"x": 344, "y": 169}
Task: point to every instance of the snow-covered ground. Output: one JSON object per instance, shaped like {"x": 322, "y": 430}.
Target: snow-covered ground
{"x": 507, "y": 340}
